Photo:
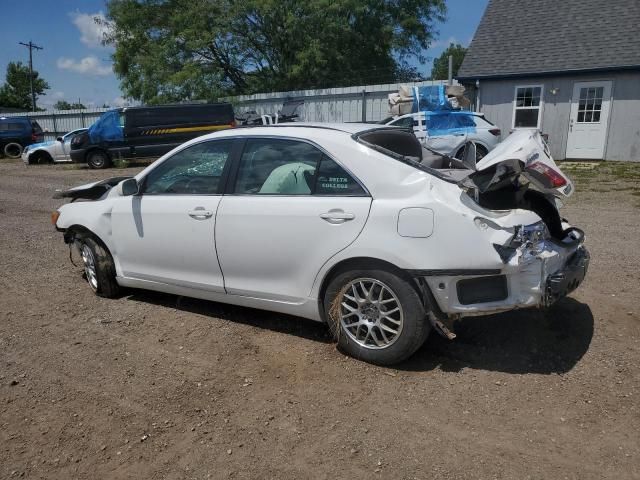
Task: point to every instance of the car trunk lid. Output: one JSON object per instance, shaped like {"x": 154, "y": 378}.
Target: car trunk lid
{"x": 523, "y": 159}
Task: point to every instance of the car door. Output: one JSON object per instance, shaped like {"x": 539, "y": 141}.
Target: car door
{"x": 166, "y": 233}
{"x": 445, "y": 135}
{"x": 63, "y": 148}
{"x": 291, "y": 208}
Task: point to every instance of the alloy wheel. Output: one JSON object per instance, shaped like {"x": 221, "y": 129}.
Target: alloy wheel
{"x": 90, "y": 267}
{"x": 370, "y": 313}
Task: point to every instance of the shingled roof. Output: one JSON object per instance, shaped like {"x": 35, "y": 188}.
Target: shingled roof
{"x": 548, "y": 36}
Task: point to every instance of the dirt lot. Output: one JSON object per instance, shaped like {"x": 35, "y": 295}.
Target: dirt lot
{"x": 152, "y": 386}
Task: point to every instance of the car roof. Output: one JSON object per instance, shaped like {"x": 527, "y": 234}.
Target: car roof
{"x": 297, "y": 129}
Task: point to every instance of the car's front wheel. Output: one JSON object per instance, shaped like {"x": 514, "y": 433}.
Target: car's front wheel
{"x": 99, "y": 269}
{"x": 376, "y": 315}
{"x": 98, "y": 159}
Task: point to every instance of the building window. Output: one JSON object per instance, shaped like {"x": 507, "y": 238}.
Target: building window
{"x": 527, "y": 106}
{"x": 590, "y": 104}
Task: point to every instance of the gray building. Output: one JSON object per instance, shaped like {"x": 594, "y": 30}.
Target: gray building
{"x": 570, "y": 68}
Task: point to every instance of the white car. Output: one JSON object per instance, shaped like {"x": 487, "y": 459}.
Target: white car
{"x": 351, "y": 224}
{"x": 51, "y": 151}
{"x": 461, "y": 127}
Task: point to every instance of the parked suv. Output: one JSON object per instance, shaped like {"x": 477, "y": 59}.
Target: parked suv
{"x": 353, "y": 225}
{"x": 16, "y": 133}
{"x": 147, "y": 131}
{"x": 448, "y": 131}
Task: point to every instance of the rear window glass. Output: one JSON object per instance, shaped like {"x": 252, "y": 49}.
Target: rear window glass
{"x": 482, "y": 122}
{"x": 400, "y": 142}
{"x": 179, "y": 115}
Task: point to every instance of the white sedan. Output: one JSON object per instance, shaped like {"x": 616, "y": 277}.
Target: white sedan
{"x": 51, "y": 151}
{"x": 354, "y": 225}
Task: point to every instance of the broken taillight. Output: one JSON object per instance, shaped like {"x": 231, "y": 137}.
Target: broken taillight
{"x": 549, "y": 173}
{"x": 495, "y": 131}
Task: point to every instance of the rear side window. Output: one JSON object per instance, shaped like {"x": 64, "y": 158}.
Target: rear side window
{"x": 36, "y": 127}
{"x": 291, "y": 167}
{"x": 15, "y": 127}
{"x": 482, "y": 122}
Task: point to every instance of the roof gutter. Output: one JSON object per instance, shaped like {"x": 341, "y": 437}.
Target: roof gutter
{"x": 470, "y": 78}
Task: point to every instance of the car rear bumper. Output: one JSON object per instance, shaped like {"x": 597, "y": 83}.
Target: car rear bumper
{"x": 525, "y": 281}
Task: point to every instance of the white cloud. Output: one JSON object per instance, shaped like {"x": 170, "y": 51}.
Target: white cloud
{"x": 57, "y": 95}
{"x": 91, "y": 32}
{"x": 87, "y": 66}
{"x": 120, "y": 102}
{"x": 446, "y": 43}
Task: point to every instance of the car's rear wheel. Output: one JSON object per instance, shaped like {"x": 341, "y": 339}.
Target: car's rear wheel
{"x": 99, "y": 269}
{"x": 13, "y": 150}
{"x": 376, "y": 315}
{"x": 98, "y": 159}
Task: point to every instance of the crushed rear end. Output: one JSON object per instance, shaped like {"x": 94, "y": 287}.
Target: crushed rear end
{"x": 541, "y": 261}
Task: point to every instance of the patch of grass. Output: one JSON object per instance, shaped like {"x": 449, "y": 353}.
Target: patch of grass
{"x": 120, "y": 163}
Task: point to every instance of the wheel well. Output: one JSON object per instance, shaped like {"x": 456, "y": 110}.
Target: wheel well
{"x": 82, "y": 231}
{"x": 369, "y": 263}
{"x": 96, "y": 149}
{"x": 41, "y": 153}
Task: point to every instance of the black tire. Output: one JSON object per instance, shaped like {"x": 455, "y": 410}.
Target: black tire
{"x": 104, "y": 268}
{"x": 98, "y": 159}
{"x": 415, "y": 326}
{"x": 13, "y": 150}
{"x": 40, "y": 158}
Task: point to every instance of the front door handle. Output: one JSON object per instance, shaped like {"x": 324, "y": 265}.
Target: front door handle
{"x": 337, "y": 216}
{"x": 199, "y": 213}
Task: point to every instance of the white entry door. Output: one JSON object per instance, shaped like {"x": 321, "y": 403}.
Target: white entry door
{"x": 589, "y": 118}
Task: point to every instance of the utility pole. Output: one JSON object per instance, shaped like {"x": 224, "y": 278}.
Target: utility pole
{"x": 31, "y": 46}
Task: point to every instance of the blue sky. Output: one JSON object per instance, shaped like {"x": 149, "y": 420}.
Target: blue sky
{"x": 78, "y": 67}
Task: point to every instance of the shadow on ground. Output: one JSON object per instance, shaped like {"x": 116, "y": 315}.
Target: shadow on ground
{"x": 277, "y": 322}
{"x": 522, "y": 341}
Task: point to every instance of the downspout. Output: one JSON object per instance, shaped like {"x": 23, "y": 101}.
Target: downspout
{"x": 477, "y": 96}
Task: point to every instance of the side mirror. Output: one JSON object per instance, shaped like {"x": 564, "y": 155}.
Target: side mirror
{"x": 59, "y": 139}
{"x": 128, "y": 187}
{"x": 469, "y": 155}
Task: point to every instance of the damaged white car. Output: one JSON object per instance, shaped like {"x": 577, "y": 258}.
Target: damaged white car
{"x": 355, "y": 226}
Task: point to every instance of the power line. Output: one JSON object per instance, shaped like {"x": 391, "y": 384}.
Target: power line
{"x": 31, "y": 46}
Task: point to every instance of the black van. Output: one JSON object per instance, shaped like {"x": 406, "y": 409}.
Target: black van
{"x": 147, "y": 131}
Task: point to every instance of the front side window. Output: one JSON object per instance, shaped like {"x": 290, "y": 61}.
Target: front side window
{"x": 196, "y": 170}
{"x": 406, "y": 122}
{"x": 527, "y": 106}
{"x": 290, "y": 167}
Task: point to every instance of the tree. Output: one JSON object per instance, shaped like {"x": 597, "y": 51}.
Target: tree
{"x": 440, "y": 70}
{"x": 64, "y": 105}
{"x": 184, "y": 50}
{"x": 16, "y": 91}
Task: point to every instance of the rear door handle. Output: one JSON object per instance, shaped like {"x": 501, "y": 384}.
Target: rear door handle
{"x": 337, "y": 216}
{"x": 200, "y": 213}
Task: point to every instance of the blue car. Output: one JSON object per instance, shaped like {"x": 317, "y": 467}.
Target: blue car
{"x": 16, "y": 133}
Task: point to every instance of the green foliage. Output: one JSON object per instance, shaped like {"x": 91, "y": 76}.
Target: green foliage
{"x": 176, "y": 50}
{"x": 440, "y": 70}
{"x": 16, "y": 91}
{"x": 64, "y": 105}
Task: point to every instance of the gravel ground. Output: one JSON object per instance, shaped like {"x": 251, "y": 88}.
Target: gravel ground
{"x": 159, "y": 387}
